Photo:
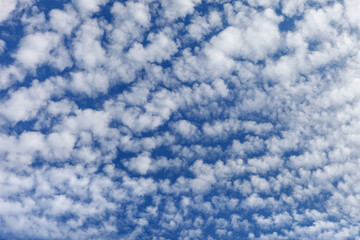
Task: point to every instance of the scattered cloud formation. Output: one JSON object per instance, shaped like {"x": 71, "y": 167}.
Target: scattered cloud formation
{"x": 181, "y": 119}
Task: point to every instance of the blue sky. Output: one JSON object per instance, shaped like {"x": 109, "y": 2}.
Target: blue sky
{"x": 181, "y": 119}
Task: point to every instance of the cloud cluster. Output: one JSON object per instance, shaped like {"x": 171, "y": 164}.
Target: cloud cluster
{"x": 179, "y": 119}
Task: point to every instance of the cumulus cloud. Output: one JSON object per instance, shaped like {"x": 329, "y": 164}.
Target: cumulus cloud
{"x": 63, "y": 21}
{"x": 6, "y": 7}
{"x": 42, "y": 48}
{"x": 25, "y": 103}
{"x": 89, "y": 6}
{"x": 186, "y": 129}
{"x": 87, "y": 48}
{"x": 140, "y": 164}
{"x": 254, "y": 41}
{"x": 177, "y": 8}
{"x": 35, "y": 49}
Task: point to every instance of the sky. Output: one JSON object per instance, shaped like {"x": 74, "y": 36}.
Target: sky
{"x": 179, "y": 119}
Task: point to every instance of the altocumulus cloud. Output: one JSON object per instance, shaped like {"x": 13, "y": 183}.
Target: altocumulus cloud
{"x": 180, "y": 119}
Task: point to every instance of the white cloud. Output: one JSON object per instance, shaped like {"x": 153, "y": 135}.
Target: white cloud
{"x": 293, "y": 7}
{"x": 25, "y": 103}
{"x": 89, "y": 82}
{"x": 10, "y": 75}
{"x": 264, "y": 3}
{"x": 254, "y": 42}
{"x": 86, "y": 120}
{"x": 61, "y": 144}
{"x": 89, "y": 6}
{"x": 201, "y": 26}
{"x": 63, "y": 21}
{"x": 141, "y": 186}
{"x": 35, "y": 48}
{"x": 141, "y": 164}
{"x": 87, "y": 48}
{"x": 129, "y": 24}
{"x": 186, "y": 129}
{"x": 160, "y": 48}
{"x": 178, "y": 8}
{"x": 42, "y": 48}
{"x": 6, "y": 6}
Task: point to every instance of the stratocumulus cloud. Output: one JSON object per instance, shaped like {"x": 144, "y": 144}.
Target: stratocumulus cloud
{"x": 180, "y": 119}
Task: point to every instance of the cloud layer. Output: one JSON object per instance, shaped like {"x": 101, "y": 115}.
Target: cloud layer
{"x": 194, "y": 119}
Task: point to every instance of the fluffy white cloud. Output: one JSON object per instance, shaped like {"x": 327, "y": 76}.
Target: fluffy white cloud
{"x": 141, "y": 164}
{"x": 10, "y": 75}
{"x": 130, "y": 21}
{"x": 178, "y": 8}
{"x": 36, "y": 48}
{"x": 25, "y": 103}
{"x": 204, "y": 25}
{"x": 186, "y": 129}
{"x": 6, "y": 6}
{"x": 87, "y": 48}
{"x": 63, "y": 21}
{"x": 89, "y": 82}
{"x": 253, "y": 41}
{"x": 89, "y": 6}
{"x": 160, "y": 48}
{"x": 42, "y": 48}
